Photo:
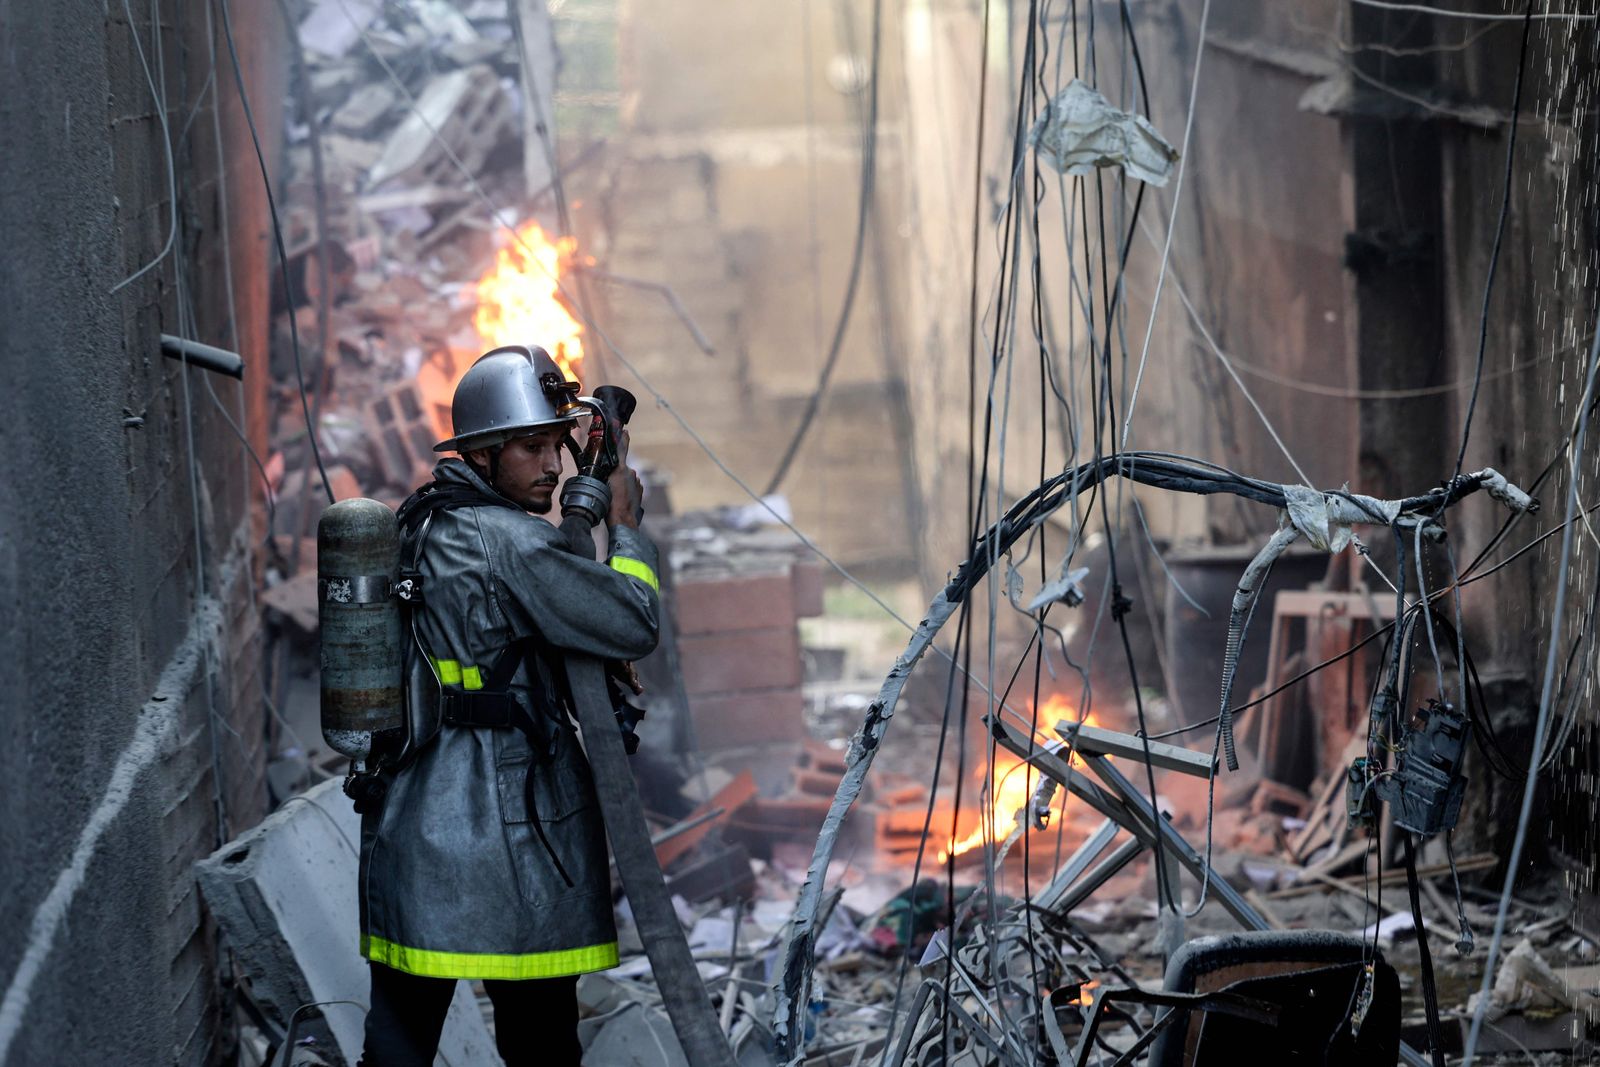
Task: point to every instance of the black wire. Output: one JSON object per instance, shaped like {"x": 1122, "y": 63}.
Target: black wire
{"x": 1100, "y": 386}
{"x": 1240, "y": 709}
{"x": 267, "y": 496}
{"x": 956, "y": 653}
{"x": 1499, "y": 234}
{"x": 955, "y": 815}
{"x": 1005, "y": 304}
{"x": 869, "y": 164}
{"x": 1484, "y": 734}
{"x": 1402, "y": 646}
{"x": 1037, "y": 320}
{"x": 283, "y": 254}
{"x": 1535, "y": 543}
{"x": 1430, "y": 992}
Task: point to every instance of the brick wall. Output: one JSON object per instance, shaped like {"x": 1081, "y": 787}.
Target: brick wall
{"x": 739, "y": 646}
{"x": 733, "y": 176}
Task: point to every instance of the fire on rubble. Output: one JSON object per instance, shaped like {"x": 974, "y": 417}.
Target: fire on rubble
{"x": 1014, "y": 784}
{"x": 517, "y": 300}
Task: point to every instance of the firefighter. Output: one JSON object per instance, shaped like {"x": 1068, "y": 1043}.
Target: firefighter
{"x": 486, "y": 856}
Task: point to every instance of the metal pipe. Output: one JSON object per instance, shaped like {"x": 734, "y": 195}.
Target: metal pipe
{"x": 203, "y": 356}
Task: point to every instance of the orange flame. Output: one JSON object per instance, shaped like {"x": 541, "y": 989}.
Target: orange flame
{"x": 1015, "y": 782}
{"x": 519, "y": 298}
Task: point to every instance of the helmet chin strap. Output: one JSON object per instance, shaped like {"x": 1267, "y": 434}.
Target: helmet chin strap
{"x": 494, "y": 467}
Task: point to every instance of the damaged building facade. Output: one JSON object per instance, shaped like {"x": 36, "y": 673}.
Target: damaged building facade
{"x": 858, "y": 263}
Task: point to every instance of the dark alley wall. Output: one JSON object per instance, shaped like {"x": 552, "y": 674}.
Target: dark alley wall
{"x": 1399, "y": 124}
{"x": 122, "y": 628}
{"x": 1542, "y": 320}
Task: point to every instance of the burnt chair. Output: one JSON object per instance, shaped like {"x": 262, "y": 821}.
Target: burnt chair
{"x": 1315, "y": 977}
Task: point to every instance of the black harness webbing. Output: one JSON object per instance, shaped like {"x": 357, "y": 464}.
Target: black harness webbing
{"x": 495, "y": 706}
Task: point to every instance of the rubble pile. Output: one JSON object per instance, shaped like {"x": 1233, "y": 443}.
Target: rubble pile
{"x": 405, "y": 234}
{"x": 938, "y": 965}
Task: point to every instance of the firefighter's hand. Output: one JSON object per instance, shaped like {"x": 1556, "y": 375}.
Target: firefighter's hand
{"x": 627, "y": 495}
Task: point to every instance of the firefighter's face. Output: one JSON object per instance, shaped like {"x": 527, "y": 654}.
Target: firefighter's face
{"x": 530, "y": 467}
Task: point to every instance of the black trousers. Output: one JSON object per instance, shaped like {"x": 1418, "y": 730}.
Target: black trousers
{"x": 535, "y": 1021}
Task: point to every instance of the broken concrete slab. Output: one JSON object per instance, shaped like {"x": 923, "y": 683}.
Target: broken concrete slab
{"x": 636, "y": 1036}
{"x": 366, "y": 106}
{"x": 466, "y": 109}
{"x": 284, "y": 895}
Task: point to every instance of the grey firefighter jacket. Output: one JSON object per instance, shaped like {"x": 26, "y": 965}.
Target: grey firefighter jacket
{"x": 455, "y": 879}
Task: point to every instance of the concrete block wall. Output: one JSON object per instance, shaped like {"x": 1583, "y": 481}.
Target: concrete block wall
{"x": 739, "y": 646}
{"x": 733, "y": 177}
{"x": 131, "y": 727}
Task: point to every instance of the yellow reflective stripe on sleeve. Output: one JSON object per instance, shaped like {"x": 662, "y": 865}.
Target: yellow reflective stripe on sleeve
{"x": 634, "y": 568}
{"x": 471, "y": 678}
{"x": 432, "y": 964}
{"x": 449, "y": 671}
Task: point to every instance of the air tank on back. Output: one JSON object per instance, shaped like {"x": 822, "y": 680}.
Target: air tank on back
{"x": 358, "y": 559}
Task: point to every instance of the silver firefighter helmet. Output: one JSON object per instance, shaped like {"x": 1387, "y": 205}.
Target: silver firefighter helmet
{"x": 508, "y": 392}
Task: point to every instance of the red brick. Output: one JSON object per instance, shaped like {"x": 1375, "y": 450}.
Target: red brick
{"x": 807, "y": 577}
{"x": 785, "y": 819}
{"x": 909, "y": 820}
{"x": 751, "y": 717}
{"x": 820, "y": 756}
{"x": 816, "y": 783}
{"x": 749, "y": 659}
{"x": 730, "y": 798}
{"x": 732, "y": 603}
{"x": 904, "y": 796}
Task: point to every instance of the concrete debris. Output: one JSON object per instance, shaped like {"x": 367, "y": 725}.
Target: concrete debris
{"x": 799, "y": 950}
{"x": 635, "y": 1036}
{"x": 334, "y": 26}
{"x": 284, "y": 897}
{"x": 365, "y": 108}
{"x": 467, "y": 109}
{"x": 1526, "y": 982}
{"x": 1535, "y": 1008}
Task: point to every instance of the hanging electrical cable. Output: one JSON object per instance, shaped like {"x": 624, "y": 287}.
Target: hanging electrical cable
{"x": 1499, "y": 236}
{"x": 1541, "y": 723}
{"x": 869, "y": 166}
{"x": 797, "y": 954}
{"x": 283, "y": 252}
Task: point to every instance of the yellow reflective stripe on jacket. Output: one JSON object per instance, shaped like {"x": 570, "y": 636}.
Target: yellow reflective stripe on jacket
{"x": 432, "y": 964}
{"x": 634, "y": 568}
{"x": 451, "y": 672}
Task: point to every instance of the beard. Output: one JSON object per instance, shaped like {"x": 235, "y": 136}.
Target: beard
{"x": 536, "y": 502}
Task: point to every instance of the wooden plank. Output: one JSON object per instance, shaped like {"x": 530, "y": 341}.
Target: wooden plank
{"x": 1100, "y": 742}
{"x": 730, "y": 798}
{"x": 1479, "y": 862}
{"x": 1319, "y": 812}
{"x": 1259, "y": 902}
{"x": 1354, "y": 850}
{"x": 1311, "y": 604}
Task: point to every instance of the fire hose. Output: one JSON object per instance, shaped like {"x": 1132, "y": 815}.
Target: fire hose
{"x": 683, "y": 991}
{"x": 365, "y": 594}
